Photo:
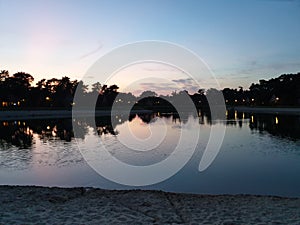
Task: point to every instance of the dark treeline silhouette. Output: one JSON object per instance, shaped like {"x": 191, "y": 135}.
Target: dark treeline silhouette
{"x": 18, "y": 92}
{"x": 281, "y": 91}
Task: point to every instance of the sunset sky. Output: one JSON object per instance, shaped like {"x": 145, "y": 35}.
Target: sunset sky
{"x": 241, "y": 41}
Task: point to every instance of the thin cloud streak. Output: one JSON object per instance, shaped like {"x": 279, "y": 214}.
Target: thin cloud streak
{"x": 92, "y": 52}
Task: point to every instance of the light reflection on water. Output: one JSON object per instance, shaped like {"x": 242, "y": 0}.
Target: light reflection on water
{"x": 260, "y": 153}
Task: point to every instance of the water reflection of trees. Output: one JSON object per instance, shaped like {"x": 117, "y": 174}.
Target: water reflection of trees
{"x": 59, "y": 129}
{"x": 278, "y": 125}
{"x": 104, "y": 125}
{"x": 284, "y": 126}
{"x": 15, "y": 133}
{"x": 20, "y": 133}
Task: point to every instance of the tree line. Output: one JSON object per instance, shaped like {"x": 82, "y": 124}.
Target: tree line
{"x": 282, "y": 91}
{"x": 17, "y": 91}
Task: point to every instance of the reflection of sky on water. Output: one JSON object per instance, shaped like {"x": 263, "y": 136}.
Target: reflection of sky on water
{"x": 260, "y": 153}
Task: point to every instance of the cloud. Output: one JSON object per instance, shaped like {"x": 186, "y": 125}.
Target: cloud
{"x": 282, "y": 65}
{"x": 159, "y": 87}
{"x": 167, "y": 88}
{"x": 257, "y": 69}
{"x": 184, "y": 81}
{"x": 153, "y": 84}
{"x": 92, "y": 52}
{"x": 189, "y": 84}
{"x": 161, "y": 67}
{"x": 253, "y": 71}
{"x": 233, "y": 76}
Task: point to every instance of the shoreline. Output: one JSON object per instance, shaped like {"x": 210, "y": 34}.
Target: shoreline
{"x": 53, "y": 205}
{"x": 63, "y": 113}
{"x": 56, "y": 114}
{"x": 267, "y": 110}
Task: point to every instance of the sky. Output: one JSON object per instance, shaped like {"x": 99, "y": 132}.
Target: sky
{"x": 240, "y": 41}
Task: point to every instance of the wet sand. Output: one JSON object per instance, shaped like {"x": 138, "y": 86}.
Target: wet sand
{"x": 43, "y": 205}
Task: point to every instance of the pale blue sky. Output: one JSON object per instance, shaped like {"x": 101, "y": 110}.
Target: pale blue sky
{"x": 242, "y": 41}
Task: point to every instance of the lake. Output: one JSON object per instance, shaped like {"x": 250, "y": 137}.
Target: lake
{"x": 260, "y": 154}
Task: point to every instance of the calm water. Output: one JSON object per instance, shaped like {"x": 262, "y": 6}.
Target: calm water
{"x": 260, "y": 154}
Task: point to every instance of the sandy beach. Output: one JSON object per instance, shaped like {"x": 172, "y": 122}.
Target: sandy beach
{"x": 43, "y": 205}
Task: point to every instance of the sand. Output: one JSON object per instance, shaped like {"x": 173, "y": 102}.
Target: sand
{"x": 43, "y": 205}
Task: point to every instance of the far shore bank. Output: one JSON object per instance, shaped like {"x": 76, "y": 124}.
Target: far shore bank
{"x": 56, "y": 113}
{"x": 44, "y": 205}
{"x": 267, "y": 110}
{"x": 65, "y": 113}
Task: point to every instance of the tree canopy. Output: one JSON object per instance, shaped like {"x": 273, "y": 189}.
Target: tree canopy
{"x": 18, "y": 90}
